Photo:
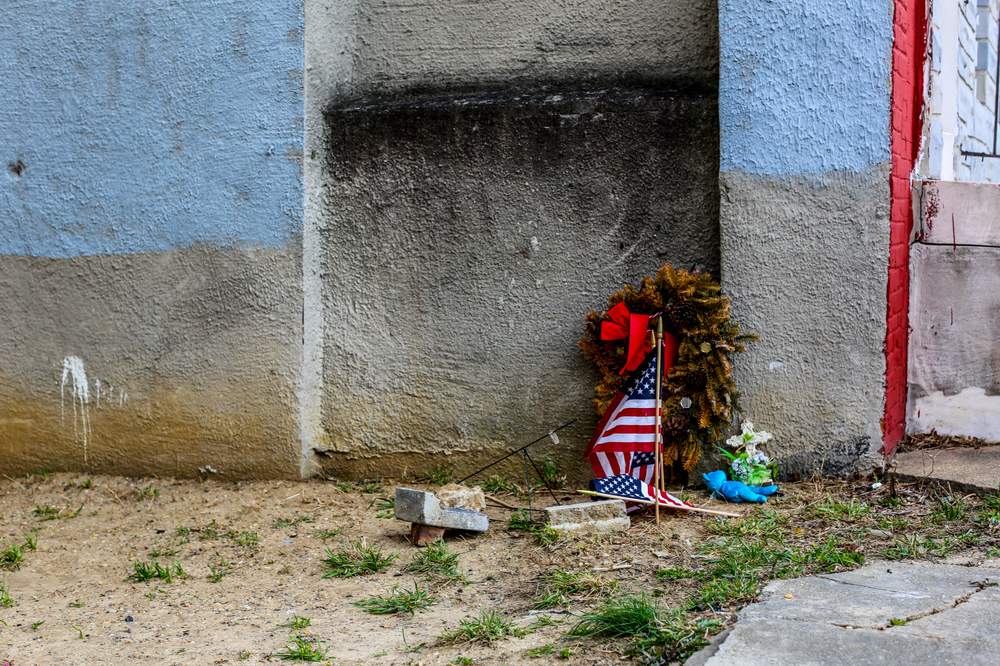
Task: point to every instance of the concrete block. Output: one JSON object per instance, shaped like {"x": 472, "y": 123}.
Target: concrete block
{"x": 601, "y": 516}
{"x": 456, "y": 496}
{"x": 422, "y": 507}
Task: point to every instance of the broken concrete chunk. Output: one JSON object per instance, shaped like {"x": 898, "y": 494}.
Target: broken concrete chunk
{"x": 586, "y": 517}
{"x": 455, "y": 496}
{"x": 422, "y": 507}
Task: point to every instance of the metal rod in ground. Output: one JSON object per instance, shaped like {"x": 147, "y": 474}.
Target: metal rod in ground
{"x": 692, "y": 509}
{"x": 527, "y": 481}
{"x": 658, "y": 458}
{"x": 516, "y": 451}
{"x": 541, "y": 477}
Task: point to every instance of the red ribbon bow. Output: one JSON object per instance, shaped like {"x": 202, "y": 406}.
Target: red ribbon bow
{"x": 625, "y": 324}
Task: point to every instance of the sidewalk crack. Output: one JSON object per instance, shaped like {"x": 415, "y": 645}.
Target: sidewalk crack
{"x": 978, "y": 586}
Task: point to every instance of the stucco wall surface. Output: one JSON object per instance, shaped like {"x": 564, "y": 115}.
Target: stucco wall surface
{"x": 150, "y": 363}
{"x": 145, "y": 126}
{"x": 472, "y": 235}
{"x": 452, "y": 250}
{"x": 804, "y": 86}
{"x": 150, "y": 230}
{"x": 430, "y": 44}
{"x": 804, "y": 105}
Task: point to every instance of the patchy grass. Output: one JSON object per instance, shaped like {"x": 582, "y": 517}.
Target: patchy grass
{"x": 301, "y": 648}
{"x": 291, "y": 521}
{"x": 398, "y": 601}
{"x": 677, "y": 573}
{"x": 559, "y": 588}
{"x": 11, "y": 557}
{"x": 500, "y": 486}
{"x": 849, "y": 511}
{"x": 486, "y": 628}
{"x": 441, "y": 475}
{"x": 218, "y": 571}
{"x": 385, "y": 507}
{"x": 146, "y": 493}
{"x": 949, "y": 509}
{"x": 358, "y": 559}
{"x": 326, "y": 535}
{"x": 662, "y": 636}
{"x": 45, "y": 512}
{"x": 551, "y": 476}
{"x": 6, "y": 601}
{"x": 436, "y": 561}
{"x": 31, "y": 541}
{"x": 298, "y": 623}
{"x": 146, "y": 571}
{"x": 630, "y": 616}
{"x": 520, "y": 521}
{"x": 246, "y": 538}
{"x": 989, "y": 514}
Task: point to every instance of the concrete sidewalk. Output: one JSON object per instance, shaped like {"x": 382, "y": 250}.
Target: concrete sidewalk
{"x": 912, "y": 613}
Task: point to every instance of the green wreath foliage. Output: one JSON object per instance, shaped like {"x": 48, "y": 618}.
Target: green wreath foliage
{"x": 698, "y": 315}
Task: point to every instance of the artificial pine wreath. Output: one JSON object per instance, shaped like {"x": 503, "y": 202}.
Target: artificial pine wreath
{"x": 699, "y": 392}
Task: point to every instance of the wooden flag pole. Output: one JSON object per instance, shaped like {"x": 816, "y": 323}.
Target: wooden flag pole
{"x": 694, "y": 509}
{"x": 658, "y": 457}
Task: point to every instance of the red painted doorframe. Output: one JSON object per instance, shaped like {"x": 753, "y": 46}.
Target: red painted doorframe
{"x": 908, "y": 51}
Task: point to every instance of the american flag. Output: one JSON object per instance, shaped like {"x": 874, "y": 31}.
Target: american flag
{"x": 625, "y": 441}
{"x": 628, "y": 487}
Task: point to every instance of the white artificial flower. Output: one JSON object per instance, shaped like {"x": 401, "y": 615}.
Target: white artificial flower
{"x": 735, "y": 441}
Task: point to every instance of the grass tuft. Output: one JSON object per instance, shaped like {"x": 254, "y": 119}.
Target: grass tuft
{"x": 520, "y": 521}
{"x": 436, "y": 561}
{"x": 147, "y": 493}
{"x": 358, "y": 559}
{"x": 300, "y": 648}
{"x": 385, "y": 507}
{"x": 6, "y": 601}
{"x": 45, "y": 512}
{"x": 292, "y": 521}
{"x": 11, "y": 557}
{"x": 217, "y": 571}
{"x": 559, "y": 588}
{"x": 948, "y": 509}
{"x": 662, "y": 637}
{"x": 145, "y": 571}
{"x": 298, "y": 623}
{"x": 498, "y": 485}
{"x": 486, "y": 628}
{"x": 398, "y": 601}
{"x": 850, "y": 511}
{"x": 621, "y": 617}
{"x": 440, "y": 476}
{"x": 329, "y": 534}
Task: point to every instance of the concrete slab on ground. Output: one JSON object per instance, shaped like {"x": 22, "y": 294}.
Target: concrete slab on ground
{"x": 913, "y": 613}
{"x": 965, "y": 468}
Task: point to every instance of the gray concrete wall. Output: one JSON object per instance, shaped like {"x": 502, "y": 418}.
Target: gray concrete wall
{"x": 803, "y": 260}
{"x": 804, "y": 104}
{"x": 456, "y": 233}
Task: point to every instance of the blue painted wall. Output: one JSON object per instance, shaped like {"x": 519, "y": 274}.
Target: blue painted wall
{"x": 146, "y": 126}
{"x": 804, "y": 85}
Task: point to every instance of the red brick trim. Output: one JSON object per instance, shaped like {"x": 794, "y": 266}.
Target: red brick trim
{"x": 908, "y": 49}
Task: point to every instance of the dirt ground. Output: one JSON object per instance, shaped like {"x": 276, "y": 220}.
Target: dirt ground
{"x": 73, "y": 604}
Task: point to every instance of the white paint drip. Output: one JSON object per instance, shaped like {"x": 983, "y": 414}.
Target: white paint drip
{"x": 75, "y": 376}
